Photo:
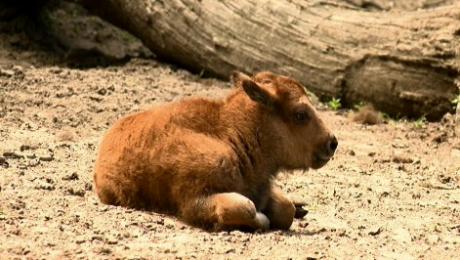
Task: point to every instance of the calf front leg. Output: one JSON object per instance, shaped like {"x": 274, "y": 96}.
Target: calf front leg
{"x": 280, "y": 210}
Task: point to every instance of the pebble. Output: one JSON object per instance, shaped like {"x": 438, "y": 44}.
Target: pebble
{"x": 18, "y": 69}
{"x": 88, "y": 186}
{"x": 105, "y": 251}
{"x": 447, "y": 118}
{"x": 13, "y": 155}
{"x": 46, "y": 156}
{"x": 400, "y": 158}
{"x": 34, "y": 162}
{"x": 56, "y": 70}
{"x": 23, "y": 166}
{"x": 112, "y": 241}
{"x": 432, "y": 239}
{"x": 76, "y": 192}
{"x": 30, "y": 155}
{"x": 45, "y": 186}
{"x": 375, "y": 231}
{"x": 440, "y": 138}
{"x": 6, "y": 73}
{"x": 3, "y": 162}
{"x": 24, "y": 147}
{"x": 102, "y": 91}
{"x": 73, "y": 176}
{"x": 402, "y": 235}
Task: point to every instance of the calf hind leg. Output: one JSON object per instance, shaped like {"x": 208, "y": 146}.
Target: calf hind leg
{"x": 225, "y": 211}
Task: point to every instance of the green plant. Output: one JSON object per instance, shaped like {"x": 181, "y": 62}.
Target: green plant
{"x": 386, "y": 116}
{"x": 421, "y": 122}
{"x": 359, "y": 105}
{"x": 201, "y": 74}
{"x": 334, "y": 104}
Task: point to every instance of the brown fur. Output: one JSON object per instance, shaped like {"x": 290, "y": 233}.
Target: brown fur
{"x": 367, "y": 115}
{"x": 211, "y": 163}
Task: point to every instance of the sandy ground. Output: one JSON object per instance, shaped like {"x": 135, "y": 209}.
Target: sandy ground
{"x": 392, "y": 191}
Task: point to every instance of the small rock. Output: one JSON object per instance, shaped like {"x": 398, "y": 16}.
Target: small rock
{"x": 102, "y": 91}
{"x": 80, "y": 240}
{"x": 416, "y": 195}
{"x": 402, "y": 235}
{"x": 23, "y": 166}
{"x": 46, "y": 156}
{"x": 440, "y": 138}
{"x": 303, "y": 224}
{"x": 446, "y": 179}
{"x": 30, "y": 155}
{"x": 95, "y": 98}
{"x": 45, "y": 186}
{"x": 13, "y": 155}
{"x": 76, "y": 192}
{"x": 105, "y": 251}
{"x": 96, "y": 237}
{"x": 351, "y": 152}
{"x": 3, "y": 162}
{"x": 34, "y": 162}
{"x": 25, "y": 147}
{"x": 448, "y": 118}
{"x": 66, "y": 136}
{"x": 432, "y": 239}
{"x": 401, "y": 167}
{"x": 231, "y": 250}
{"x": 73, "y": 176}
{"x": 112, "y": 241}
{"x": 18, "y": 69}
{"x": 56, "y": 70}
{"x": 6, "y": 73}
{"x": 400, "y": 158}
{"x": 88, "y": 186}
{"x": 399, "y": 145}
{"x": 17, "y": 204}
{"x": 375, "y": 231}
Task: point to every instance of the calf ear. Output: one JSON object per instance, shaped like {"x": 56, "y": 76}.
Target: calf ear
{"x": 237, "y": 77}
{"x": 256, "y": 92}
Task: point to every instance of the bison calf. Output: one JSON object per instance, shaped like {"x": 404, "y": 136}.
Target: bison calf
{"x": 211, "y": 162}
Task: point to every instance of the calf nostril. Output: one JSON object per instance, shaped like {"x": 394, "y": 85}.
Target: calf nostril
{"x": 333, "y": 144}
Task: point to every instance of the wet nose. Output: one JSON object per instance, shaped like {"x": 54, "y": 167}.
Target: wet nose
{"x": 331, "y": 145}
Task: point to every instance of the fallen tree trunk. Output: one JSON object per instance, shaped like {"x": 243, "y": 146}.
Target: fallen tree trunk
{"x": 404, "y": 63}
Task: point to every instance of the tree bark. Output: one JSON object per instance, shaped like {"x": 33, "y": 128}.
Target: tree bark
{"x": 405, "y": 63}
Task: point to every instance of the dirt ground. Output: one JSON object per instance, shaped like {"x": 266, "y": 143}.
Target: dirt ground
{"x": 391, "y": 192}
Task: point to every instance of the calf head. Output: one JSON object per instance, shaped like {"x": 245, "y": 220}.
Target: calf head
{"x": 300, "y": 138}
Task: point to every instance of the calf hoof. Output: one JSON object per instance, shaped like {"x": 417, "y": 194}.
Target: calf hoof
{"x": 300, "y": 212}
{"x": 262, "y": 221}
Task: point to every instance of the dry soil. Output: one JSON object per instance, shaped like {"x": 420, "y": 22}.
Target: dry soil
{"x": 391, "y": 192}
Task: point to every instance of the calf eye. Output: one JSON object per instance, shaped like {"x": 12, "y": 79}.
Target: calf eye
{"x": 301, "y": 117}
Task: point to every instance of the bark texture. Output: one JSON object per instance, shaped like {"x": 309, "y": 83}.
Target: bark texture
{"x": 405, "y": 63}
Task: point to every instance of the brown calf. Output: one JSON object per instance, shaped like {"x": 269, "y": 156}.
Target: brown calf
{"x": 211, "y": 163}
